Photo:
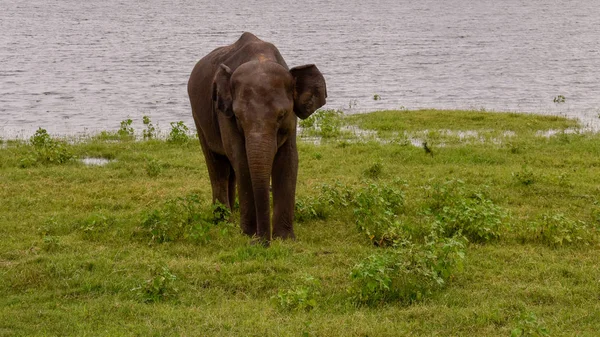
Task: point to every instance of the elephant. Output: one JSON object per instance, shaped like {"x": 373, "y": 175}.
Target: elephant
{"x": 245, "y": 103}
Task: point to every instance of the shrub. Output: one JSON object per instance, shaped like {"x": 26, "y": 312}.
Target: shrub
{"x": 46, "y": 150}
{"x": 477, "y": 218}
{"x": 557, "y": 230}
{"x": 329, "y": 199}
{"x": 530, "y": 326}
{"x": 525, "y": 176}
{"x": 153, "y": 167}
{"x": 407, "y": 274}
{"x": 158, "y": 288}
{"x": 299, "y": 298}
{"x": 150, "y": 131}
{"x": 179, "y": 133}
{"x": 374, "y": 171}
{"x": 458, "y": 212}
{"x": 323, "y": 123}
{"x": 126, "y": 130}
{"x": 375, "y": 213}
{"x": 184, "y": 218}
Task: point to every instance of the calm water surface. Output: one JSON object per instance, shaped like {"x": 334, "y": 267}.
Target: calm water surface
{"x": 75, "y": 66}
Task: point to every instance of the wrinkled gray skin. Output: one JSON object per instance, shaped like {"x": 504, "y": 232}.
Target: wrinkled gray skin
{"x": 245, "y": 102}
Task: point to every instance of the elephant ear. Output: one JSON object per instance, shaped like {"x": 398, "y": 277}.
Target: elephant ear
{"x": 309, "y": 90}
{"x": 221, "y": 91}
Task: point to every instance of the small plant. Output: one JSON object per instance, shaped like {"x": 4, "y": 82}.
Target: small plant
{"x": 375, "y": 212}
{"x": 96, "y": 224}
{"x": 458, "y": 212}
{"x": 406, "y": 274}
{"x": 299, "y": 298}
{"x": 559, "y": 99}
{"x": 477, "y": 218}
{"x": 153, "y": 168}
{"x": 525, "y": 176}
{"x": 158, "y": 288}
{"x": 184, "y": 218}
{"x": 323, "y": 123}
{"x": 150, "y": 131}
{"x": 530, "y": 326}
{"x": 557, "y": 230}
{"x": 126, "y": 130}
{"x": 179, "y": 133}
{"x": 376, "y": 97}
{"x": 374, "y": 171}
{"x": 46, "y": 150}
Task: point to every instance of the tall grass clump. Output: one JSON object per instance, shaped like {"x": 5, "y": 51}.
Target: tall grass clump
{"x": 406, "y": 274}
{"x": 47, "y": 150}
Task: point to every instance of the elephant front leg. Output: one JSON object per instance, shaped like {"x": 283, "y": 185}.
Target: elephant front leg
{"x": 246, "y": 198}
{"x": 285, "y": 174}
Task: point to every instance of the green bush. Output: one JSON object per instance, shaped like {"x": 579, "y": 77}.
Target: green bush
{"x": 458, "y": 212}
{"x": 330, "y": 199}
{"x": 179, "y": 133}
{"x": 150, "y": 131}
{"x": 299, "y": 298}
{"x": 406, "y": 274}
{"x": 557, "y": 230}
{"x": 47, "y": 150}
{"x": 158, "y": 288}
{"x": 323, "y": 123}
{"x": 126, "y": 130}
{"x": 376, "y": 208}
{"x": 530, "y": 326}
{"x": 184, "y": 218}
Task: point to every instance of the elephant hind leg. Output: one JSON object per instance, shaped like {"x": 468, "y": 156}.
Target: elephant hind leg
{"x": 231, "y": 189}
{"x": 220, "y": 173}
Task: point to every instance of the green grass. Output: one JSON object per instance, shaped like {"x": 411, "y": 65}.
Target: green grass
{"x": 76, "y": 258}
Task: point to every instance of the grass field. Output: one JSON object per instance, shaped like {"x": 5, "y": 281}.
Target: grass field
{"x": 490, "y": 229}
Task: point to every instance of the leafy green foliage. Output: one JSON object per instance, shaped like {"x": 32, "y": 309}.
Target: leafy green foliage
{"x": 559, "y": 99}
{"x": 46, "y": 150}
{"x": 376, "y": 208}
{"x": 323, "y": 123}
{"x": 460, "y": 213}
{"x": 179, "y": 133}
{"x": 126, "y": 130}
{"x": 150, "y": 131}
{"x": 558, "y": 230}
{"x": 299, "y": 298}
{"x": 374, "y": 171}
{"x": 153, "y": 167}
{"x": 530, "y": 325}
{"x": 525, "y": 176}
{"x": 407, "y": 274}
{"x": 184, "y": 218}
{"x": 158, "y": 288}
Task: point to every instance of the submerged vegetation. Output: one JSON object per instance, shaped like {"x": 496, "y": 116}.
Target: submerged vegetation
{"x": 497, "y": 234}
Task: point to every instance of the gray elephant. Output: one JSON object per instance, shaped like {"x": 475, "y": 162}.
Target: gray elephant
{"x": 245, "y": 102}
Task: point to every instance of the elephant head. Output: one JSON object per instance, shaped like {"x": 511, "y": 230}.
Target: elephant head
{"x": 265, "y": 98}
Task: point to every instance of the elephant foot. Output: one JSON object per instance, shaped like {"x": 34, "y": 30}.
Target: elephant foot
{"x": 284, "y": 235}
{"x": 257, "y": 241}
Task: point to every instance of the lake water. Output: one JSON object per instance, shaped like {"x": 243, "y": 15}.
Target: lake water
{"x": 76, "y": 66}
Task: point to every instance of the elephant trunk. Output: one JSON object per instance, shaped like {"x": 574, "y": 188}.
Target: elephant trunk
{"x": 261, "y": 149}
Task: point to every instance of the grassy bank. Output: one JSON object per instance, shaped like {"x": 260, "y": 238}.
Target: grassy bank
{"x": 489, "y": 229}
